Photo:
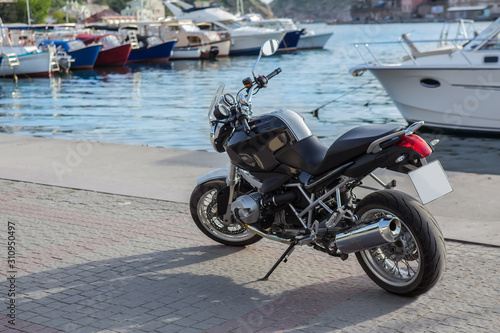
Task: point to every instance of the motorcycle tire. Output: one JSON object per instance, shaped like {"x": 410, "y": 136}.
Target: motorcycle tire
{"x": 415, "y": 262}
{"x": 203, "y": 207}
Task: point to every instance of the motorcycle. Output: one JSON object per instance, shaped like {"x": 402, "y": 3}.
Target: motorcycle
{"x": 283, "y": 184}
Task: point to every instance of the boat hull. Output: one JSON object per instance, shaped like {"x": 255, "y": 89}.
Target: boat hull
{"x": 84, "y": 58}
{"x": 155, "y": 54}
{"x": 250, "y": 44}
{"x": 459, "y": 99}
{"x": 313, "y": 41}
{"x": 30, "y": 65}
{"x": 290, "y": 41}
{"x": 116, "y": 56}
{"x": 218, "y": 49}
{"x": 212, "y": 50}
{"x": 224, "y": 47}
{"x": 186, "y": 53}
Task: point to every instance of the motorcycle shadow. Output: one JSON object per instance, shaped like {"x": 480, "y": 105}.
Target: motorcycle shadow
{"x": 122, "y": 293}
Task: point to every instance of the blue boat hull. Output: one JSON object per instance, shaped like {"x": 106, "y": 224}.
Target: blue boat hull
{"x": 290, "y": 41}
{"x": 84, "y": 58}
{"x": 245, "y": 52}
{"x": 155, "y": 54}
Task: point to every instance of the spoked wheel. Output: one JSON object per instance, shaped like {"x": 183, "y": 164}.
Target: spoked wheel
{"x": 203, "y": 206}
{"x": 415, "y": 262}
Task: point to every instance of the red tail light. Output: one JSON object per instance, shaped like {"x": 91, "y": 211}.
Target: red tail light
{"x": 416, "y": 143}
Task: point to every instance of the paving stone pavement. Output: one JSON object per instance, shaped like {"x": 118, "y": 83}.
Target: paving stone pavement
{"x": 94, "y": 262}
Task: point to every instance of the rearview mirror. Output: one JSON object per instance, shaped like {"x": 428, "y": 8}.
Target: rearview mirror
{"x": 269, "y": 47}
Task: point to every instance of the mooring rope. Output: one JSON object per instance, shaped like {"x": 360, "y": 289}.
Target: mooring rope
{"x": 315, "y": 112}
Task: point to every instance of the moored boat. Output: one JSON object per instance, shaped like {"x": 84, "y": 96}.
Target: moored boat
{"x": 310, "y": 40}
{"x": 290, "y": 41}
{"x": 22, "y": 57}
{"x": 189, "y": 36}
{"x": 244, "y": 39}
{"x": 454, "y": 87}
{"x": 29, "y": 64}
{"x": 112, "y": 52}
{"x": 152, "y": 50}
{"x": 83, "y": 56}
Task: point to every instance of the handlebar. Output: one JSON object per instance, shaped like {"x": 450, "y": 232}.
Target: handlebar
{"x": 243, "y": 119}
{"x": 273, "y": 73}
{"x": 260, "y": 82}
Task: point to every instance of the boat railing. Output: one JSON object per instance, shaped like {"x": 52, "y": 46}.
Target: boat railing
{"x": 412, "y": 50}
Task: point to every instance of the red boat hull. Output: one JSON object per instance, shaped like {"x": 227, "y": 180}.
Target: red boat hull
{"x": 116, "y": 56}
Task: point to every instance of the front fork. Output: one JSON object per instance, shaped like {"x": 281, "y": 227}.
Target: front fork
{"x": 231, "y": 183}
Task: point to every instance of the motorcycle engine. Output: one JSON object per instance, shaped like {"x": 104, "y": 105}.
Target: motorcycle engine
{"x": 247, "y": 207}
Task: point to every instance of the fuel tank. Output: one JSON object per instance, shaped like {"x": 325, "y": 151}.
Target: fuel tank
{"x": 255, "y": 152}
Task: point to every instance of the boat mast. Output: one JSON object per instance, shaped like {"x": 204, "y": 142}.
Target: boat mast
{"x": 28, "y": 9}
{"x": 239, "y": 8}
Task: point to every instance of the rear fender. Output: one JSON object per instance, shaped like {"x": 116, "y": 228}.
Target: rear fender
{"x": 395, "y": 158}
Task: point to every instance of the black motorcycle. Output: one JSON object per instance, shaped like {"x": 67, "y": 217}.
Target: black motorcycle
{"x": 283, "y": 184}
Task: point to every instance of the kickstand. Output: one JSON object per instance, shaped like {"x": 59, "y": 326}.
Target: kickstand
{"x": 283, "y": 257}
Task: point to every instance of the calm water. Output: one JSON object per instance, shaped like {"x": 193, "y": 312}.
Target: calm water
{"x": 166, "y": 105}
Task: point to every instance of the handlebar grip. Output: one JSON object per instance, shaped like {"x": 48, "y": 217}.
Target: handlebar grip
{"x": 273, "y": 73}
{"x": 244, "y": 122}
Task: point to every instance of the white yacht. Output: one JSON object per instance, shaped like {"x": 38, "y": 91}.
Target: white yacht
{"x": 308, "y": 38}
{"x": 455, "y": 86}
{"x": 192, "y": 42}
{"x": 244, "y": 39}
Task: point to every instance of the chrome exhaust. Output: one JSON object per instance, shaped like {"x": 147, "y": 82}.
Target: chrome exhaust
{"x": 263, "y": 234}
{"x": 365, "y": 237}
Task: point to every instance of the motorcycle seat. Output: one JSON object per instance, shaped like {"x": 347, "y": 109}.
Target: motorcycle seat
{"x": 313, "y": 157}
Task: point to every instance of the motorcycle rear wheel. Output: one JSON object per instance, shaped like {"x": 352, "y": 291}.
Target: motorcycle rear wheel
{"x": 415, "y": 262}
{"x": 203, "y": 207}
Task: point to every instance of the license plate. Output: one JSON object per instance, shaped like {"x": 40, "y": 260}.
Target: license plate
{"x": 430, "y": 181}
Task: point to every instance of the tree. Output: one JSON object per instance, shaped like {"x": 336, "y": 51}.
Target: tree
{"x": 60, "y": 17}
{"x": 8, "y": 12}
{"x": 117, "y": 5}
{"x": 39, "y": 9}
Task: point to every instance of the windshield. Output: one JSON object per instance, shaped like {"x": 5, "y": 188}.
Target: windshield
{"x": 74, "y": 45}
{"x": 484, "y": 35}
{"x": 215, "y": 101}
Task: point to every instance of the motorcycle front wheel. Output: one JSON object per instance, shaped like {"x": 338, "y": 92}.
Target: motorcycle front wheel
{"x": 415, "y": 262}
{"x": 203, "y": 207}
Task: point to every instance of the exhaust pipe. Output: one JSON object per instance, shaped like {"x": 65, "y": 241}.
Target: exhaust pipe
{"x": 264, "y": 235}
{"x": 365, "y": 237}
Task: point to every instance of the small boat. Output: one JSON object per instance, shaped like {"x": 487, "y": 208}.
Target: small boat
{"x": 145, "y": 48}
{"x": 21, "y": 58}
{"x": 112, "y": 53}
{"x": 455, "y": 86}
{"x": 151, "y": 50}
{"x": 190, "y": 38}
{"x": 296, "y": 38}
{"x": 83, "y": 56}
{"x": 290, "y": 41}
{"x": 311, "y": 40}
{"x": 26, "y": 63}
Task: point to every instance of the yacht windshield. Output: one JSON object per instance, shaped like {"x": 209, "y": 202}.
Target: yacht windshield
{"x": 488, "y": 36}
{"x": 232, "y": 24}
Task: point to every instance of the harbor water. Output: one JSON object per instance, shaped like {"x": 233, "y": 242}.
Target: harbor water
{"x": 166, "y": 105}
